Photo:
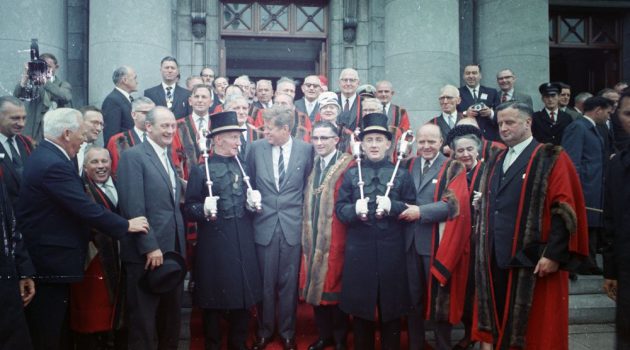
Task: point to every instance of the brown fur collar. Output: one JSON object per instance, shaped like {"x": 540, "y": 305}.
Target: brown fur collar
{"x": 315, "y": 249}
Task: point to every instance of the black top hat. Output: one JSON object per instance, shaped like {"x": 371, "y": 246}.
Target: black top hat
{"x": 548, "y": 89}
{"x": 167, "y": 276}
{"x": 223, "y": 122}
{"x": 374, "y": 122}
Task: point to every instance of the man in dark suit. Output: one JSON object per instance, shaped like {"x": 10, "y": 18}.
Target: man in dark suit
{"x": 349, "y": 101}
{"x": 54, "y": 214}
{"x": 548, "y": 124}
{"x": 279, "y": 167}
{"x": 531, "y": 224}
{"x": 506, "y": 79}
{"x": 16, "y": 283}
{"x": 397, "y": 117}
{"x": 14, "y": 147}
{"x": 418, "y": 236}
{"x": 264, "y": 94}
{"x": 168, "y": 93}
{"x": 473, "y": 94}
{"x": 311, "y": 88}
{"x": 584, "y": 144}
{"x": 148, "y": 185}
{"x": 117, "y": 105}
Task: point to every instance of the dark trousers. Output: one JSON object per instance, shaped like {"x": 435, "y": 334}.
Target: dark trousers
{"x": 623, "y": 308}
{"x": 279, "y": 263}
{"x": 47, "y": 316}
{"x": 237, "y": 334}
{"x": 364, "y": 334}
{"x": 332, "y": 323}
{"x": 154, "y": 319}
{"x": 14, "y": 332}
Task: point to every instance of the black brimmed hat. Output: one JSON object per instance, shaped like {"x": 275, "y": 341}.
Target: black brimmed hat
{"x": 548, "y": 89}
{"x": 167, "y": 276}
{"x": 461, "y": 130}
{"x": 374, "y": 122}
{"x": 223, "y": 122}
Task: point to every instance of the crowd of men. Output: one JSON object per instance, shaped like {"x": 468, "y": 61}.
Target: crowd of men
{"x": 270, "y": 201}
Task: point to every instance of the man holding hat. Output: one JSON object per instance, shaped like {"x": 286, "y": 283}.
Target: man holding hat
{"x": 374, "y": 277}
{"x": 225, "y": 243}
{"x": 549, "y": 123}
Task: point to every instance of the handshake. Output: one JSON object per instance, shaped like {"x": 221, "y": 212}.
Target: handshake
{"x": 383, "y": 204}
{"x": 254, "y": 203}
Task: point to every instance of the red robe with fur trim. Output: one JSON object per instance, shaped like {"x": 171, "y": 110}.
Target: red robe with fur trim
{"x": 537, "y": 309}
{"x": 451, "y": 248}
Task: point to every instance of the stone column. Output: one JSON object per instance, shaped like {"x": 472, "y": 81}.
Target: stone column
{"x": 136, "y": 33}
{"x": 421, "y": 53}
{"x": 44, "y": 20}
{"x": 514, "y": 34}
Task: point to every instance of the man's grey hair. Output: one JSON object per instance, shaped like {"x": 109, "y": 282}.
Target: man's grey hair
{"x": 140, "y": 101}
{"x": 524, "y": 110}
{"x": 95, "y": 149}
{"x": 583, "y": 96}
{"x": 231, "y": 99}
{"x": 8, "y": 99}
{"x": 243, "y": 78}
{"x": 59, "y": 120}
{"x": 285, "y": 80}
{"x": 279, "y": 116}
{"x": 119, "y": 73}
{"x": 264, "y": 82}
{"x": 151, "y": 116}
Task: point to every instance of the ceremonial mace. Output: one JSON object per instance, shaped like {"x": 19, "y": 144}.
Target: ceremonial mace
{"x": 257, "y": 204}
{"x": 356, "y": 152}
{"x": 203, "y": 146}
{"x": 406, "y": 140}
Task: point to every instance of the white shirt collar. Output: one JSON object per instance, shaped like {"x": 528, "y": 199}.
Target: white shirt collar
{"x": 139, "y": 132}
{"x": 430, "y": 161}
{"x": 164, "y": 86}
{"x": 473, "y": 88}
{"x": 327, "y": 158}
{"x": 125, "y": 93}
{"x": 520, "y": 147}
{"x": 350, "y": 100}
{"x": 109, "y": 182}
{"x": 589, "y": 119}
{"x": 61, "y": 149}
{"x": 158, "y": 149}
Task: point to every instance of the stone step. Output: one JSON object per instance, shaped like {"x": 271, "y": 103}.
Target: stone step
{"x": 591, "y": 308}
{"x": 586, "y": 285}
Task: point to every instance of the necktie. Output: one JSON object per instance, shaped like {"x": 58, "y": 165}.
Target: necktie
{"x": 504, "y": 98}
{"x": 15, "y": 156}
{"x": 200, "y": 123}
{"x": 169, "y": 172}
{"x": 509, "y": 159}
{"x": 426, "y": 167}
{"x": 169, "y": 97}
{"x": 280, "y": 168}
{"x": 110, "y": 192}
{"x": 385, "y": 109}
{"x": 130, "y": 98}
{"x": 144, "y": 136}
{"x": 475, "y": 94}
{"x": 346, "y": 106}
{"x": 450, "y": 121}
{"x": 552, "y": 115}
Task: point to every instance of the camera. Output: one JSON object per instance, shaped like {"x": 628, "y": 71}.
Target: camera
{"x": 478, "y": 106}
{"x": 37, "y": 73}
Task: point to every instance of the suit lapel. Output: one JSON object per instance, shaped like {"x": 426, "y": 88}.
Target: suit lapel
{"x": 518, "y": 166}
{"x": 155, "y": 159}
{"x": 292, "y": 160}
{"x": 416, "y": 171}
{"x": 8, "y": 163}
{"x": 431, "y": 173}
{"x": 268, "y": 160}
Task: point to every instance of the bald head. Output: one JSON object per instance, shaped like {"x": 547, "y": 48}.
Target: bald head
{"x": 468, "y": 121}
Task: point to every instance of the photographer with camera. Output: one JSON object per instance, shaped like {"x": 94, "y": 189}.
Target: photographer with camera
{"x": 479, "y": 101}
{"x": 43, "y": 91}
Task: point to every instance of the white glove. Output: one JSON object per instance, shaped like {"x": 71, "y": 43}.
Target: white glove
{"x": 361, "y": 208}
{"x": 476, "y": 199}
{"x": 210, "y": 205}
{"x": 383, "y": 203}
{"x": 253, "y": 198}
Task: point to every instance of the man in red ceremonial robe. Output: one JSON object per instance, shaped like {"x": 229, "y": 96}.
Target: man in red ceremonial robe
{"x": 532, "y": 225}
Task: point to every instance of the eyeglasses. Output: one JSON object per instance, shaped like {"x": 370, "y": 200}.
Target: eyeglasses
{"x": 312, "y": 86}
{"x": 207, "y": 75}
{"x": 348, "y": 80}
{"x": 322, "y": 138}
{"x": 446, "y": 98}
{"x": 505, "y": 78}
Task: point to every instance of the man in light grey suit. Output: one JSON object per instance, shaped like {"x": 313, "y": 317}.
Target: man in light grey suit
{"x": 506, "y": 79}
{"x": 279, "y": 167}
{"x": 148, "y": 184}
{"x": 425, "y": 214}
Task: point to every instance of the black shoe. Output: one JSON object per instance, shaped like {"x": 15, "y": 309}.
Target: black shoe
{"x": 321, "y": 344}
{"x": 261, "y": 343}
